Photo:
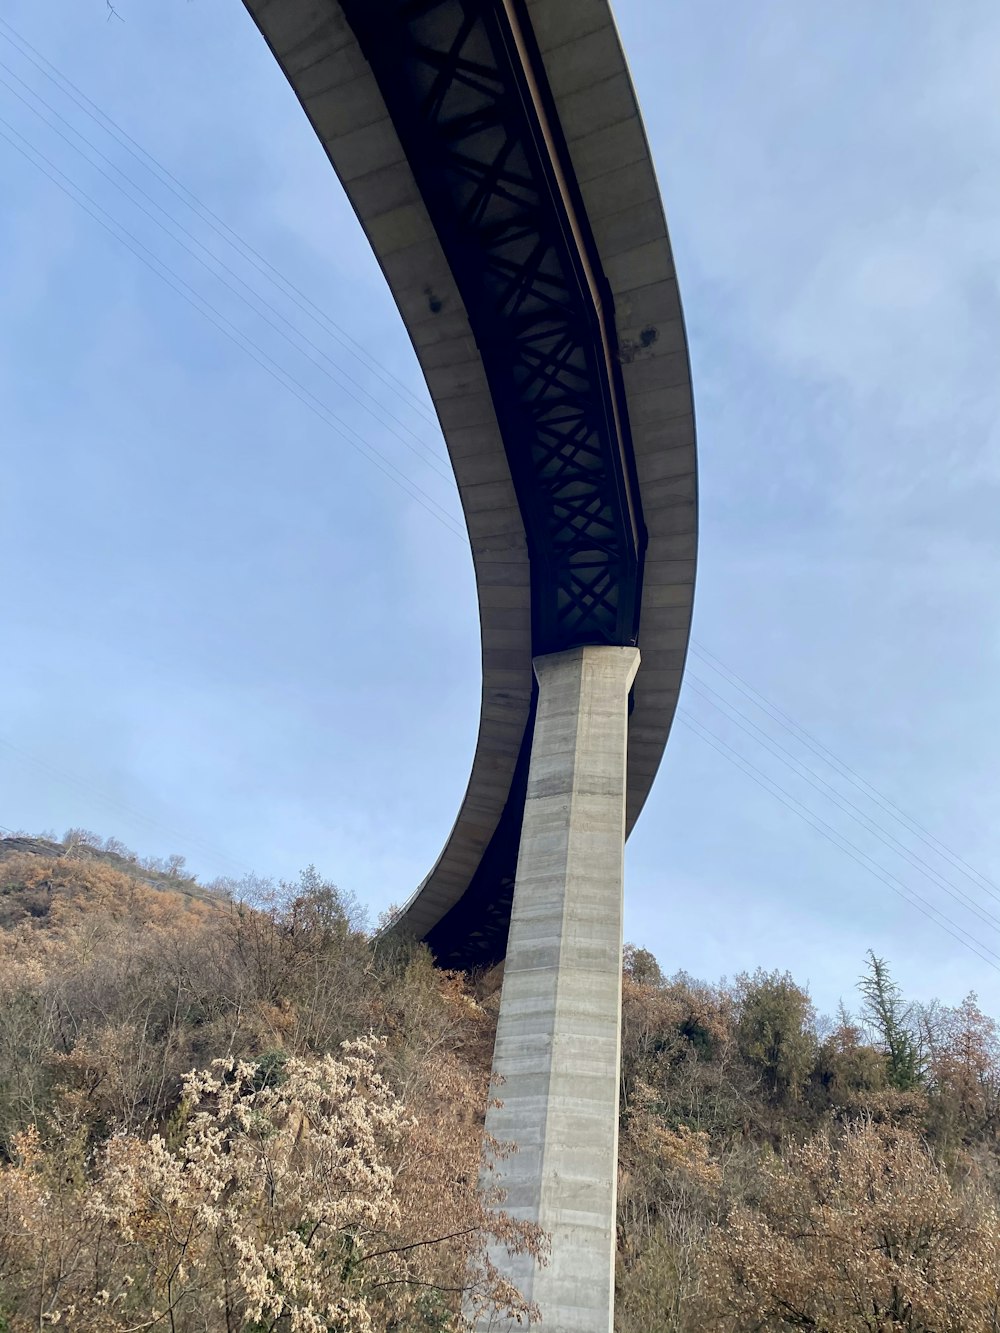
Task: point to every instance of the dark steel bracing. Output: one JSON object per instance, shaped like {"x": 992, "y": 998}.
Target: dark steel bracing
{"x": 471, "y": 108}
{"x": 494, "y": 153}
{"x": 473, "y": 934}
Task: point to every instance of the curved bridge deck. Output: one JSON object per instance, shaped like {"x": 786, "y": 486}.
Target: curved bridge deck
{"x": 495, "y": 156}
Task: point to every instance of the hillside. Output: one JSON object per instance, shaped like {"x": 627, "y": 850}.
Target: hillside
{"x": 234, "y": 1110}
{"x": 82, "y": 845}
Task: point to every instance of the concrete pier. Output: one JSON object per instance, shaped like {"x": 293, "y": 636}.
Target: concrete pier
{"x": 559, "y": 1037}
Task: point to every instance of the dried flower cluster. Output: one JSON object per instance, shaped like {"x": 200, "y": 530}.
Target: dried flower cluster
{"x": 275, "y": 1207}
{"x": 777, "y": 1171}
{"x": 315, "y": 1178}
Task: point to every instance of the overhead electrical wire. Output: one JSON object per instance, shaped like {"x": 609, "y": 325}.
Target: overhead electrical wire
{"x": 812, "y": 743}
{"x": 225, "y": 326}
{"x": 830, "y": 792}
{"x": 231, "y": 237}
{"x": 837, "y": 838}
{"x": 198, "y": 302}
{"x": 150, "y": 163}
{"x": 298, "y": 390}
{"x": 208, "y": 311}
{"x": 60, "y": 80}
{"x": 81, "y": 784}
{"x": 418, "y": 446}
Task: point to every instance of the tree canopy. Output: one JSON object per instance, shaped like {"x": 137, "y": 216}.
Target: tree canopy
{"x": 231, "y": 1107}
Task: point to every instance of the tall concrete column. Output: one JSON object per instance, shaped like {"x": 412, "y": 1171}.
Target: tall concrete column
{"x": 558, "y": 1044}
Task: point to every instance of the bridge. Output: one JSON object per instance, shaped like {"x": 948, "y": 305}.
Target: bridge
{"x": 495, "y": 156}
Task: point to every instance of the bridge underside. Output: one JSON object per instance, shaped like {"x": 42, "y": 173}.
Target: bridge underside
{"x": 470, "y": 107}
{"x": 474, "y": 157}
{"x": 494, "y": 153}
{"x": 473, "y": 115}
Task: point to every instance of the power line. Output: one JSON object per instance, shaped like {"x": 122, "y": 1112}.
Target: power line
{"x": 199, "y": 302}
{"x": 206, "y": 848}
{"x": 215, "y": 317}
{"x": 92, "y": 109}
{"x": 830, "y": 792}
{"x": 231, "y": 237}
{"x": 331, "y": 370}
{"x": 831, "y": 834}
{"x": 162, "y": 270}
{"x": 208, "y": 311}
{"x": 194, "y": 298}
{"x": 843, "y": 768}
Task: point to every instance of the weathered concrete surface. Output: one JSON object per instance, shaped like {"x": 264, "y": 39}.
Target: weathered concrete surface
{"x": 559, "y": 1037}
{"x": 327, "y": 71}
{"x": 600, "y": 118}
{"x": 597, "y": 111}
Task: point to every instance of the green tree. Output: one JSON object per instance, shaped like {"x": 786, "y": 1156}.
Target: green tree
{"x": 776, "y": 1031}
{"x": 848, "y": 1068}
{"x": 641, "y": 966}
{"x": 891, "y": 1020}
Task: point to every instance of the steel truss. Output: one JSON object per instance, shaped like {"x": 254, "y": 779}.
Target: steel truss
{"x": 470, "y": 105}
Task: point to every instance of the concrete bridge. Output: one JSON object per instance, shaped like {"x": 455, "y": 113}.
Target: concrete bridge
{"x": 495, "y": 156}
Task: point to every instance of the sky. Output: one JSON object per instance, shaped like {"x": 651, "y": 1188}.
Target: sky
{"x": 234, "y": 621}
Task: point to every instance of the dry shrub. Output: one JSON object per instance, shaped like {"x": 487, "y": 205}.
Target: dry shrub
{"x": 861, "y": 1233}
{"x": 286, "y": 1200}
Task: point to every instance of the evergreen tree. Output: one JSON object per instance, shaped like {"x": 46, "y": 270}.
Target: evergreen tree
{"x": 891, "y": 1019}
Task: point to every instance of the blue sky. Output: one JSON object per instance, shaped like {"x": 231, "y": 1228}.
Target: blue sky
{"x": 227, "y": 633}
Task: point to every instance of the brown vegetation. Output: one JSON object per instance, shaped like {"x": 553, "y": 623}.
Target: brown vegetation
{"x": 200, "y": 1131}
{"x": 782, "y": 1173}
{"x": 231, "y": 1110}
